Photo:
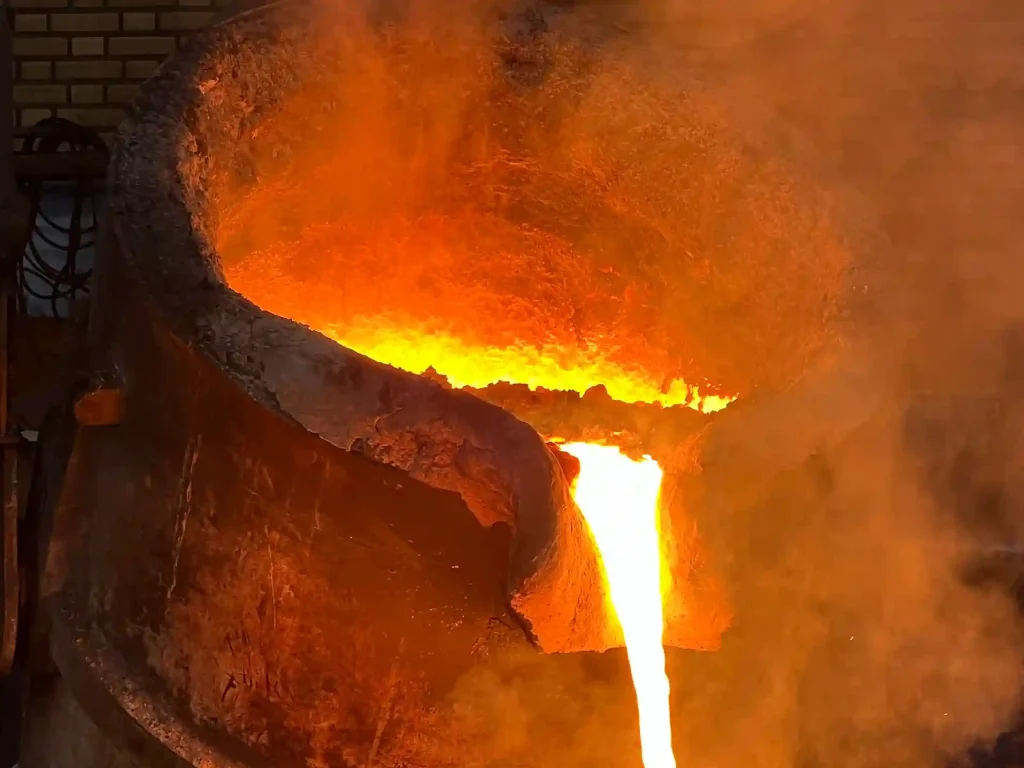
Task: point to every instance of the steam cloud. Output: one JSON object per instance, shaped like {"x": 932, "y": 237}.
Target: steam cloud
{"x": 857, "y": 642}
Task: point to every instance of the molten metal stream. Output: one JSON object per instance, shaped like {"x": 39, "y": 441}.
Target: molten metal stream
{"x": 617, "y": 496}
{"x": 619, "y": 500}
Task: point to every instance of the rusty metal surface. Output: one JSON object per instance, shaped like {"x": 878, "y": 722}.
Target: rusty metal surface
{"x": 263, "y": 576}
{"x": 9, "y": 501}
{"x": 113, "y": 712}
{"x": 11, "y": 575}
{"x": 11, "y": 238}
{"x": 82, "y": 743}
{"x": 449, "y": 440}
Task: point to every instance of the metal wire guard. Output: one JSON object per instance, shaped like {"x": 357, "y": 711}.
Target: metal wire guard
{"x": 65, "y": 282}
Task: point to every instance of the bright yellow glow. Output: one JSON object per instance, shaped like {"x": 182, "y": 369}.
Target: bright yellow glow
{"x": 619, "y": 500}
{"x": 404, "y": 345}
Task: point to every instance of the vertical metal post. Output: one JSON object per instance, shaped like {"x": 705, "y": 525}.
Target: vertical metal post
{"x": 7, "y": 189}
{"x": 7, "y": 185}
{"x": 10, "y": 243}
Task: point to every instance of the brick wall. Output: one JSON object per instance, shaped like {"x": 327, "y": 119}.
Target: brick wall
{"x": 84, "y": 59}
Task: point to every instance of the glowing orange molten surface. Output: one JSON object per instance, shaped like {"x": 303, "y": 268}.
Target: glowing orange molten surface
{"x": 549, "y": 366}
{"x": 619, "y": 500}
{"x": 478, "y": 299}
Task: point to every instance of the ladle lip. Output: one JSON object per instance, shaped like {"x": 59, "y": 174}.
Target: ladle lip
{"x": 447, "y": 439}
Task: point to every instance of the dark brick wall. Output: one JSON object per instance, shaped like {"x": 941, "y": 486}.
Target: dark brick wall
{"x": 84, "y": 59}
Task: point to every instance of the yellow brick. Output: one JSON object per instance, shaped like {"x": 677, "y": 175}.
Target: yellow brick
{"x": 141, "y": 46}
{"x": 40, "y": 94}
{"x": 95, "y": 117}
{"x": 36, "y": 70}
{"x": 138, "y": 22}
{"x": 88, "y": 70}
{"x": 122, "y": 93}
{"x": 28, "y": 117}
{"x": 30, "y": 22}
{"x": 39, "y": 47}
{"x": 140, "y": 70}
{"x": 181, "y": 21}
{"x": 87, "y": 46}
{"x": 84, "y": 22}
{"x": 86, "y": 94}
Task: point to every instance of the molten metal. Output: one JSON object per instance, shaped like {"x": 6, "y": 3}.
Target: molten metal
{"x": 619, "y": 500}
{"x": 617, "y": 496}
{"x": 480, "y": 301}
{"x": 550, "y": 366}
